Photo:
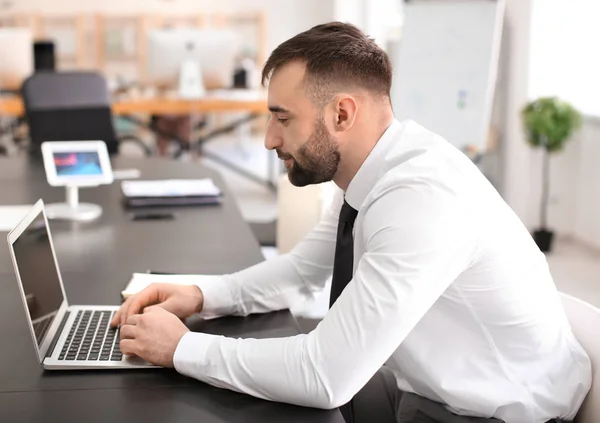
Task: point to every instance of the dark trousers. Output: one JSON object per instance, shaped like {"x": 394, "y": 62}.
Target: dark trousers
{"x": 381, "y": 401}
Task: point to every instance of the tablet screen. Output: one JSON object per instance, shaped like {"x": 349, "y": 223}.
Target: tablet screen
{"x": 77, "y": 163}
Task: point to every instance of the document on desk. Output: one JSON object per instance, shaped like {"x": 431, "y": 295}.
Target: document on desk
{"x": 170, "y": 192}
{"x": 10, "y": 216}
{"x": 140, "y": 281}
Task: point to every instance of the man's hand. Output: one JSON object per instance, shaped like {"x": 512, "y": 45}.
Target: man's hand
{"x": 153, "y": 335}
{"x": 181, "y": 300}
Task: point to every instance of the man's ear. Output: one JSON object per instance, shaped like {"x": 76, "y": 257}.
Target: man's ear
{"x": 346, "y": 109}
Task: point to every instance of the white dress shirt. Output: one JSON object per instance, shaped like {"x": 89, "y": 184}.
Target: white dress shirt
{"x": 449, "y": 290}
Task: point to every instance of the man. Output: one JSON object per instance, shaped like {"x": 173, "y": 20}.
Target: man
{"x": 433, "y": 274}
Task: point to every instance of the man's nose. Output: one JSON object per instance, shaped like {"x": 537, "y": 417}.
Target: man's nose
{"x": 273, "y": 140}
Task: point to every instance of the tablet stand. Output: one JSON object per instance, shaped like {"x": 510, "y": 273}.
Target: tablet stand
{"x": 73, "y": 209}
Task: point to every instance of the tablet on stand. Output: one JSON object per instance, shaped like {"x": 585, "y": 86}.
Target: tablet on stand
{"x": 74, "y": 165}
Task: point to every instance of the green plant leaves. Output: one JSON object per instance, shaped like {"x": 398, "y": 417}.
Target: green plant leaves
{"x": 549, "y": 122}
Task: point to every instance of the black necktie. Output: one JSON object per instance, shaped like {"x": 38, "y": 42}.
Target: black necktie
{"x": 344, "y": 252}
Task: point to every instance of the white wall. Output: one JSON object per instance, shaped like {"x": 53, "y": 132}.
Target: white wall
{"x": 557, "y": 68}
{"x": 587, "y": 211}
{"x": 574, "y": 209}
{"x": 575, "y": 186}
{"x": 284, "y": 19}
{"x": 517, "y": 160}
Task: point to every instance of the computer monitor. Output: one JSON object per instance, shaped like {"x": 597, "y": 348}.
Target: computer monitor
{"x": 16, "y": 57}
{"x": 214, "y": 49}
{"x": 44, "y": 56}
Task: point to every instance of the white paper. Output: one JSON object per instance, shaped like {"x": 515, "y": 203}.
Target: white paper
{"x": 10, "y": 216}
{"x": 140, "y": 281}
{"x": 170, "y": 188}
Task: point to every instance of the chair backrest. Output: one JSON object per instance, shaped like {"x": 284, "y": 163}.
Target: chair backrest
{"x": 68, "y": 106}
{"x": 585, "y": 321}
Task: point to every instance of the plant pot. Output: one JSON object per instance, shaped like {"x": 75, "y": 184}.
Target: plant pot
{"x": 543, "y": 239}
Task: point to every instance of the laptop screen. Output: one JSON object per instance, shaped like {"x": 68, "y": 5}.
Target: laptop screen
{"x": 39, "y": 275}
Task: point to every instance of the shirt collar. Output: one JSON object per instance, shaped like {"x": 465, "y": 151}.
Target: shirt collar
{"x": 370, "y": 171}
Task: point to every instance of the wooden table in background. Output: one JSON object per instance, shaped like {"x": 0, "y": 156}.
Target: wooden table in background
{"x": 13, "y": 106}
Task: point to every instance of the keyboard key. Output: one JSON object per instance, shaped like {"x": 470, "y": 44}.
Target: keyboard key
{"x": 81, "y": 356}
{"x": 93, "y": 356}
{"x": 116, "y": 357}
{"x": 61, "y": 357}
{"x": 104, "y": 357}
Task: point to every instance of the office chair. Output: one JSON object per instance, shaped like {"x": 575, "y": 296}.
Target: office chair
{"x": 70, "y": 106}
{"x": 585, "y": 321}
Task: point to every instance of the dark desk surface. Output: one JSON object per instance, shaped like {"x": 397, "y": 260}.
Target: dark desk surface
{"x": 96, "y": 260}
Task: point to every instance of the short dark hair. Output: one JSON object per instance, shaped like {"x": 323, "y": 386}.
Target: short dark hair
{"x": 337, "y": 55}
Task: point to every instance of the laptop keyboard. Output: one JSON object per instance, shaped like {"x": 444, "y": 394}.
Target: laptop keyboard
{"x": 92, "y": 339}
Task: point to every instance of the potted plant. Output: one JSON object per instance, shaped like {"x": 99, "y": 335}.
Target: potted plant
{"x": 549, "y": 123}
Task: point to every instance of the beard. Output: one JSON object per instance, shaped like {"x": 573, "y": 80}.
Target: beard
{"x": 317, "y": 160}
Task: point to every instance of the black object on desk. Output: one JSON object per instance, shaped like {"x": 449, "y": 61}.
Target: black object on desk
{"x": 210, "y": 200}
{"x": 152, "y": 216}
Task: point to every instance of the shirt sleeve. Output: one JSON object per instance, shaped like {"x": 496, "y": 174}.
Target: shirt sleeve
{"x": 416, "y": 245}
{"x": 280, "y": 282}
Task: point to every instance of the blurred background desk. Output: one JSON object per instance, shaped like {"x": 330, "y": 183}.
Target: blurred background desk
{"x": 13, "y": 105}
{"x": 96, "y": 260}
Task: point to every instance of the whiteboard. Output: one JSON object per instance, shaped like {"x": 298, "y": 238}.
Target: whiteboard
{"x": 445, "y": 68}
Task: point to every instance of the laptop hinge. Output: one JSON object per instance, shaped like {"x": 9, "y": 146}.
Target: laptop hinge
{"x": 58, "y": 332}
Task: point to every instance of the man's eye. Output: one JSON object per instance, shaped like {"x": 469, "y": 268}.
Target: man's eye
{"x": 282, "y": 120}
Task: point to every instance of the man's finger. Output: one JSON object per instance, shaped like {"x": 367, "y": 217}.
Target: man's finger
{"x": 128, "y": 346}
{"x": 123, "y": 310}
{"x": 147, "y": 296}
{"x": 117, "y": 317}
{"x": 132, "y": 320}
{"x": 128, "y": 332}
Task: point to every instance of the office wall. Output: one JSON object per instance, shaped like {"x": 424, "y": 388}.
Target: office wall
{"x": 518, "y": 163}
{"x": 587, "y": 211}
{"x": 284, "y": 19}
{"x": 575, "y": 191}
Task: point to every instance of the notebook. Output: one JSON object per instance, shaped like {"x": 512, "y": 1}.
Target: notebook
{"x": 170, "y": 192}
{"x": 140, "y": 281}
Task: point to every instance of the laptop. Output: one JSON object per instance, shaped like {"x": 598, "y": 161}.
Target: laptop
{"x": 65, "y": 336}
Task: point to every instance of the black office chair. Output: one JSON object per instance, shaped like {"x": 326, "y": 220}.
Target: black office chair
{"x": 70, "y": 106}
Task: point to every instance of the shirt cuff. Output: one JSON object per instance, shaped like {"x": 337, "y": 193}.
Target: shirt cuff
{"x": 218, "y": 300}
{"x": 190, "y": 355}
